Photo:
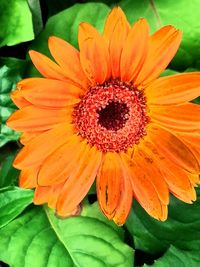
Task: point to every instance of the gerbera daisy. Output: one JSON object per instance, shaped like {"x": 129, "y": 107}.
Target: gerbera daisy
{"x": 103, "y": 113}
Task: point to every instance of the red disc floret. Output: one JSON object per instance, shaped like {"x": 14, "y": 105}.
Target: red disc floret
{"x": 112, "y": 116}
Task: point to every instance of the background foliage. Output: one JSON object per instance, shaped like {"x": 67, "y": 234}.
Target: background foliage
{"x": 32, "y": 236}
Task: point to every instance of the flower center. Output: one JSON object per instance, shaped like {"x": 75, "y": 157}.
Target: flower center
{"x": 112, "y": 116}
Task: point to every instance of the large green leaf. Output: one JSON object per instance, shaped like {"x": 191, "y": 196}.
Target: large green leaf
{"x": 180, "y": 230}
{"x": 15, "y": 22}
{"x": 13, "y": 201}
{"x": 177, "y": 258}
{"x": 11, "y": 71}
{"x": 183, "y": 14}
{"x": 39, "y": 238}
{"x": 65, "y": 25}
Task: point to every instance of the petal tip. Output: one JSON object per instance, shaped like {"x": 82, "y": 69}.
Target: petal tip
{"x": 84, "y": 26}
{"x": 16, "y": 164}
{"x": 117, "y": 10}
{"x": 32, "y": 52}
{"x": 52, "y": 39}
{"x": 33, "y": 55}
{"x": 9, "y": 121}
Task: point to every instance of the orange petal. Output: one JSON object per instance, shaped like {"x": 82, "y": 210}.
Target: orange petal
{"x": 18, "y": 99}
{"x": 192, "y": 140}
{"x": 79, "y": 183}
{"x": 28, "y": 177}
{"x": 173, "y": 148}
{"x": 163, "y": 46}
{"x": 75, "y": 212}
{"x": 134, "y": 50}
{"x": 69, "y": 59}
{"x": 47, "y": 67}
{"x": 41, "y": 195}
{"x": 59, "y": 165}
{"x": 93, "y": 54}
{"x": 28, "y": 136}
{"x": 187, "y": 197}
{"x": 47, "y": 92}
{"x": 116, "y": 34}
{"x": 109, "y": 183}
{"x": 125, "y": 202}
{"x": 178, "y": 180}
{"x": 145, "y": 191}
{"x": 174, "y": 89}
{"x": 115, "y": 15}
{"x": 181, "y": 118}
{"x": 54, "y": 194}
{"x": 32, "y": 119}
{"x": 194, "y": 179}
{"x": 43, "y": 145}
{"x": 154, "y": 174}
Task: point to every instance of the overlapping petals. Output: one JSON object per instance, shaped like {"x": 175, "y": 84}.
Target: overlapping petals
{"x": 182, "y": 118}
{"x": 93, "y": 53}
{"x": 163, "y": 45}
{"x": 134, "y": 51}
{"x": 84, "y": 175}
{"x": 114, "y": 188}
{"x": 146, "y": 190}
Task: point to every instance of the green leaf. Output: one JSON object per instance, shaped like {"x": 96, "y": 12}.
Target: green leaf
{"x": 168, "y": 72}
{"x": 55, "y": 6}
{"x": 34, "y": 6}
{"x": 76, "y": 241}
{"x": 178, "y": 258}
{"x": 15, "y": 22}
{"x": 180, "y": 229}
{"x": 65, "y": 25}
{"x": 196, "y": 101}
{"x": 8, "y": 174}
{"x": 13, "y": 201}
{"x": 93, "y": 211}
{"x": 11, "y": 71}
{"x": 110, "y": 3}
{"x": 182, "y": 14}
{"x": 136, "y": 9}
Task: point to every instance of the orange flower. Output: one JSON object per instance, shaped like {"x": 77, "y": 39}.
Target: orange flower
{"x": 102, "y": 112}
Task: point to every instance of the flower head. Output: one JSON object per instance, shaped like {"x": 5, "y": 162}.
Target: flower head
{"x": 103, "y": 113}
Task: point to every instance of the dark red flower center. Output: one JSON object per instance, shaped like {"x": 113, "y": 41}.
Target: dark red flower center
{"x": 112, "y": 116}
